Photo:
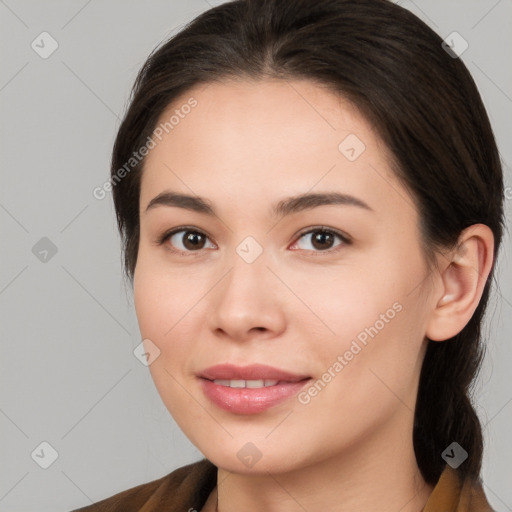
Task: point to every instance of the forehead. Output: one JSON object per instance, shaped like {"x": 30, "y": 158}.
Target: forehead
{"x": 258, "y": 140}
{"x": 276, "y": 113}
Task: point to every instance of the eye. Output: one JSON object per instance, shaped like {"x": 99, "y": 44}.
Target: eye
{"x": 185, "y": 239}
{"x": 322, "y": 239}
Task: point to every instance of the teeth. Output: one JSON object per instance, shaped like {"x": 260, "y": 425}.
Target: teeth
{"x": 246, "y": 383}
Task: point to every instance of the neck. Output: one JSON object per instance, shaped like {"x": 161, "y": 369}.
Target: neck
{"x": 380, "y": 472}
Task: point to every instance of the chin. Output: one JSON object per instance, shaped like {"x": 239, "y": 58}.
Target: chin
{"x": 247, "y": 459}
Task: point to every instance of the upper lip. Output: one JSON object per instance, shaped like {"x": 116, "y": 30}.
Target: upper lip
{"x": 250, "y": 372}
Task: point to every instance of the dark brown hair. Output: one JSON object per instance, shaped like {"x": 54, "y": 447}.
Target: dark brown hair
{"x": 423, "y": 103}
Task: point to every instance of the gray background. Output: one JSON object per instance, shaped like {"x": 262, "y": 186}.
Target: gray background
{"x": 68, "y": 328}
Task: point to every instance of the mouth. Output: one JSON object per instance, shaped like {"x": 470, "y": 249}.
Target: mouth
{"x": 249, "y": 389}
{"x": 253, "y": 384}
{"x": 254, "y": 375}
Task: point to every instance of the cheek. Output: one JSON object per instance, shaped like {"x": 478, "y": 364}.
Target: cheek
{"x": 161, "y": 307}
{"x": 170, "y": 310}
{"x": 370, "y": 316}
{"x": 345, "y": 299}
{"x": 161, "y": 297}
{"x": 148, "y": 307}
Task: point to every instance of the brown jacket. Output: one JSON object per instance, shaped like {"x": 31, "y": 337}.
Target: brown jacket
{"x": 187, "y": 488}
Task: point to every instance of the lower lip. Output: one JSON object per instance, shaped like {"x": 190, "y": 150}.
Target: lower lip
{"x": 250, "y": 400}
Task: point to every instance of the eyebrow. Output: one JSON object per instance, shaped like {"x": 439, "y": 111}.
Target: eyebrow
{"x": 283, "y": 208}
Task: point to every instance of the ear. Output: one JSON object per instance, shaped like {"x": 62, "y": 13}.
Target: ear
{"x": 462, "y": 282}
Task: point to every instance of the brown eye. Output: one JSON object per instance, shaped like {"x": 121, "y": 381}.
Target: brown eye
{"x": 187, "y": 240}
{"x": 322, "y": 240}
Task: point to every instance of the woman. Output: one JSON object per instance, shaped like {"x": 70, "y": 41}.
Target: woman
{"x": 310, "y": 199}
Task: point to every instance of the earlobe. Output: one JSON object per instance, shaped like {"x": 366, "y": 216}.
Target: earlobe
{"x": 462, "y": 283}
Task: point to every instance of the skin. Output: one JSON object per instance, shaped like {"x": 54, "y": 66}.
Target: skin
{"x": 244, "y": 147}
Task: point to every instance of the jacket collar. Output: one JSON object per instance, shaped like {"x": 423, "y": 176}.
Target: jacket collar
{"x": 192, "y": 484}
{"x": 452, "y": 495}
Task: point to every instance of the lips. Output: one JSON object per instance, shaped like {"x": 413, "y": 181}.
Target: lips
{"x": 240, "y": 390}
{"x": 250, "y": 372}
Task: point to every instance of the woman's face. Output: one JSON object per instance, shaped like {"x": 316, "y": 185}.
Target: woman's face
{"x": 346, "y": 307}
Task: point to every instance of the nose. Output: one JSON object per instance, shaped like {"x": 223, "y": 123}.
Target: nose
{"x": 249, "y": 302}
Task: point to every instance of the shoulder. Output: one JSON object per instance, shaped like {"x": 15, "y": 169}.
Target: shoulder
{"x": 187, "y": 486}
{"x": 453, "y": 493}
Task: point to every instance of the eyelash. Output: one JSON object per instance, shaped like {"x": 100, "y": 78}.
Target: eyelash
{"x": 344, "y": 238}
